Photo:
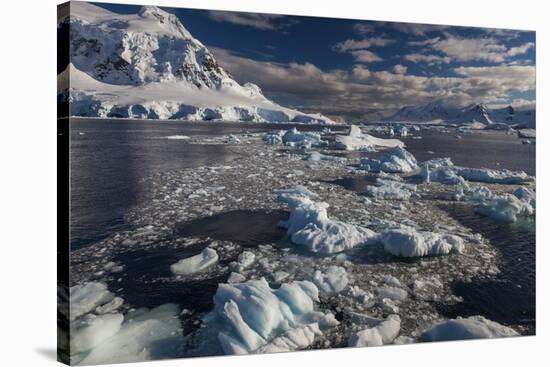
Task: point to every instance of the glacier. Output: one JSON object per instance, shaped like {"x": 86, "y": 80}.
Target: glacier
{"x": 149, "y": 66}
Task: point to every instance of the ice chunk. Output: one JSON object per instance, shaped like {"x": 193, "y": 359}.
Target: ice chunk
{"x": 440, "y": 170}
{"x": 469, "y": 328}
{"x": 92, "y": 330}
{"x": 502, "y": 207}
{"x": 332, "y": 281}
{"x": 390, "y": 190}
{"x": 232, "y": 139}
{"x": 255, "y": 316}
{"x": 197, "y": 263}
{"x": 274, "y": 137}
{"x": 393, "y": 293}
{"x": 356, "y": 140}
{"x": 398, "y": 160}
{"x": 111, "y": 306}
{"x": 177, "y": 137}
{"x": 245, "y": 259}
{"x": 148, "y": 335}
{"x": 383, "y": 333}
{"x": 310, "y": 226}
{"x": 86, "y": 297}
{"x": 235, "y": 278}
{"x": 493, "y": 176}
{"x": 317, "y": 157}
{"x": 408, "y": 242}
{"x": 304, "y": 140}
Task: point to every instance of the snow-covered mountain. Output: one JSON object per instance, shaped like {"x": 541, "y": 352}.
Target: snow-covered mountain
{"x": 476, "y": 114}
{"x": 147, "y": 65}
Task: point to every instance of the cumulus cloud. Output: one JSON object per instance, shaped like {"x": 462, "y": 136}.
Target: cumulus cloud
{"x": 256, "y": 20}
{"x": 359, "y": 49}
{"x": 430, "y": 59}
{"x": 353, "y": 94}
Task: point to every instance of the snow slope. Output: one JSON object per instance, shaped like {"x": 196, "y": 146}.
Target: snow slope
{"x": 148, "y": 65}
{"x": 476, "y": 114}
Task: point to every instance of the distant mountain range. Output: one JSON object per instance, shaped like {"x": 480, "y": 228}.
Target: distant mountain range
{"x": 148, "y": 66}
{"x": 477, "y": 115}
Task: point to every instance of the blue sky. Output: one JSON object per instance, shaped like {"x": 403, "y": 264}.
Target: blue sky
{"x": 356, "y": 68}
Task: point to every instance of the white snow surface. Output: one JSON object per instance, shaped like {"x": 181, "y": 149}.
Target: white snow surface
{"x": 256, "y": 318}
{"x": 356, "y": 140}
{"x": 148, "y": 66}
{"x": 310, "y": 226}
{"x": 473, "y": 327}
{"x": 408, "y": 242}
{"x": 195, "y": 264}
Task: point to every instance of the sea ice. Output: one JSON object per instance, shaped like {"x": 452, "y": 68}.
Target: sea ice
{"x": 408, "y": 242}
{"x": 390, "y": 190}
{"x": 303, "y": 140}
{"x": 398, "y": 160}
{"x": 245, "y": 260}
{"x": 332, "y": 281}
{"x": 469, "y": 328}
{"x": 383, "y": 333}
{"x": 317, "y": 157}
{"x": 493, "y": 176}
{"x": 197, "y": 263}
{"x": 86, "y": 297}
{"x": 147, "y": 335}
{"x": 274, "y": 137}
{"x": 91, "y": 330}
{"x": 356, "y": 140}
{"x": 309, "y": 225}
{"x": 502, "y": 207}
{"x": 254, "y": 317}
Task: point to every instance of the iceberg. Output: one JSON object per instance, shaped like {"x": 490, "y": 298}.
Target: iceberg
{"x": 493, "y": 176}
{"x": 398, "y": 160}
{"x": 440, "y": 170}
{"x": 384, "y": 332}
{"x": 408, "y": 242}
{"x": 86, "y": 297}
{"x": 502, "y": 207}
{"x": 356, "y": 140}
{"x": 309, "y": 225}
{"x": 195, "y": 264}
{"x": 256, "y": 318}
{"x": 473, "y": 327}
{"x": 332, "y": 281}
{"x": 303, "y": 140}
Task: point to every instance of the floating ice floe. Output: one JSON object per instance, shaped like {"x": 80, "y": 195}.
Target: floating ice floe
{"x": 244, "y": 260}
{"x": 440, "y": 170}
{"x": 195, "y": 264}
{"x": 398, "y": 160}
{"x": 473, "y": 327}
{"x": 309, "y": 225}
{"x": 274, "y": 137}
{"x": 386, "y": 189}
{"x": 86, "y": 297}
{"x": 258, "y": 319}
{"x": 232, "y": 139}
{"x": 177, "y": 137}
{"x": 317, "y": 157}
{"x": 303, "y": 140}
{"x": 99, "y": 333}
{"x": 356, "y": 140}
{"x": 384, "y": 332}
{"x": 502, "y": 207}
{"x": 493, "y": 176}
{"x": 408, "y": 242}
{"x": 332, "y": 281}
